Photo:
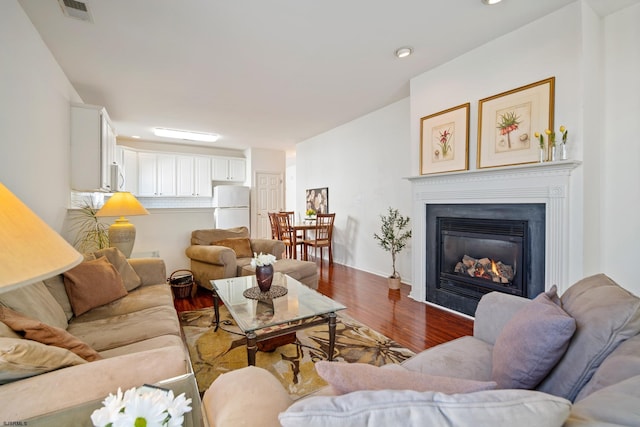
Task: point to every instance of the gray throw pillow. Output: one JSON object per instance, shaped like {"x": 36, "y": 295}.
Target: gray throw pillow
{"x": 531, "y": 344}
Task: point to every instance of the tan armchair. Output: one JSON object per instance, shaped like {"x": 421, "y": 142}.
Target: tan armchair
{"x": 220, "y": 253}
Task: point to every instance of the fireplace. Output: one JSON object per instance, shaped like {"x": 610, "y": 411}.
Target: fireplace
{"x": 549, "y": 184}
{"x": 473, "y": 249}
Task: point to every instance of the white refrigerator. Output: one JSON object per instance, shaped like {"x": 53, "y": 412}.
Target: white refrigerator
{"x": 231, "y": 203}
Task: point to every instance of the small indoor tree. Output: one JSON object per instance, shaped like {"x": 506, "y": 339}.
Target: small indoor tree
{"x": 393, "y": 238}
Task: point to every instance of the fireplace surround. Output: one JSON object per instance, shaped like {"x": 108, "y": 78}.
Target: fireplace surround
{"x": 548, "y": 184}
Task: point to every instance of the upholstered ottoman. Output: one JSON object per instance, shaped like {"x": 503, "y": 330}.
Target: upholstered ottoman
{"x": 305, "y": 272}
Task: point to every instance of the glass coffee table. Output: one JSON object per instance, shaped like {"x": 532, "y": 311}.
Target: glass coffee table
{"x": 266, "y": 318}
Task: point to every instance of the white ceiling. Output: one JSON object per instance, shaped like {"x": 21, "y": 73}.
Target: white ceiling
{"x": 264, "y": 73}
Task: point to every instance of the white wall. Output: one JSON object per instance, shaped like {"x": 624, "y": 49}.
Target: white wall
{"x": 34, "y": 118}
{"x": 621, "y": 149}
{"x": 363, "y": 164}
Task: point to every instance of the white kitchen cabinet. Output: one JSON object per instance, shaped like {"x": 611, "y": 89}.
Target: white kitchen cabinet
{"x": 93, "y": 148}
{"x": 229, "y": 169}
{"x": 156, "y": 175}
{"x": 193, "y": 176}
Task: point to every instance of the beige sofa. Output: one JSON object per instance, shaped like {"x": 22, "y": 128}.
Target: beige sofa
{"x": 223, "y": 253}
{"x": 596, "y": 381}
{"x": 137, "y": 338}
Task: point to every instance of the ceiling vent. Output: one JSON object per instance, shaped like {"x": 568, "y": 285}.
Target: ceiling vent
{"x": 76, "y": 9}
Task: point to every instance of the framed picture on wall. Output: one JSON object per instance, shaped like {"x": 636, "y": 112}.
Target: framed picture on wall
{"x": 318, "y": 200}
{"x": 507, "y": 122}
{"x": 444, "y": 141}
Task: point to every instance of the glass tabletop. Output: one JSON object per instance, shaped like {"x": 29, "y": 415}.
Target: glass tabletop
{"x": 300, "y": 302}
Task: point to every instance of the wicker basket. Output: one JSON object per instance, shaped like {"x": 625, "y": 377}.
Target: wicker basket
{"x": 181, "y": 282}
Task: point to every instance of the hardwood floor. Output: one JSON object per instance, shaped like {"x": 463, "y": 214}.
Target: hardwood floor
{"x": 410, "y": 323}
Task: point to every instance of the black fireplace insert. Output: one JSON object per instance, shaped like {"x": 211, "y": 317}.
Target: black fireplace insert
{"x": 473, "y": 249}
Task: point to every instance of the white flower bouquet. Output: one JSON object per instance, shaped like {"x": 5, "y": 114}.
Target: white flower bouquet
{"x": 145, "y": 406}
{"x": 262, "y": 259}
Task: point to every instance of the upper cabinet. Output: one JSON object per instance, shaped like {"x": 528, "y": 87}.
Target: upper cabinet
{"x": 193, "y": 176}
{"x": 128, "y": 161}
{"x": 229, "y": 169}
{"x": 156, "y": 175}
{"x": 93, "y": 148}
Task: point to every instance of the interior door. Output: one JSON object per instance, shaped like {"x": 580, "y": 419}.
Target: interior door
{"x": 269, "y": 199}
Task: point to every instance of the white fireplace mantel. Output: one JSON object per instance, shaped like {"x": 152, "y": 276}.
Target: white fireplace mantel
{"x": 547, "y": 183}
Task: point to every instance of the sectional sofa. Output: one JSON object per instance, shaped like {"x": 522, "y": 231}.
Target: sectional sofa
{"x": 69, "y": 341}
{"x": 571, "y": 360}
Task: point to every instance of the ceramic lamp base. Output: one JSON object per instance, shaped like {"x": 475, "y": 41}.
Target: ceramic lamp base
{"x": 122, "y": 235}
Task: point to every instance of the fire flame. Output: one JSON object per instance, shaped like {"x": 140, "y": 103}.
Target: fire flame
{"x": 494, "y": 268}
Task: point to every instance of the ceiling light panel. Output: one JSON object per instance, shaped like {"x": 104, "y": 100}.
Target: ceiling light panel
{"x": 184, "y": 134}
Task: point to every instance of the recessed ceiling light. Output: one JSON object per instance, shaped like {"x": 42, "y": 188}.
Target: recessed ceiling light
{"x": 184, "y": 134}
{"x": 490, "y": 2}
{"x": 403, "y": 52}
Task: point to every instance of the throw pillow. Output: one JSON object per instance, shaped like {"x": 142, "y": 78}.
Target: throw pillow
{"x": 92, "y": 284}
{"x": 495, "y": 408}
{"x": 349, "y": 377}
{"x": 130, "y": 278}
{"x": 20, "y": 358}
{"x": 531, "y": 344}
{"x": 240, "y": 245}
{"x": 35, "y": 330}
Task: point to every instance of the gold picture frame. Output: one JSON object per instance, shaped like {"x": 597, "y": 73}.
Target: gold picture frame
{"x": 444, "y": 141}
{"x": 507, "y": 122}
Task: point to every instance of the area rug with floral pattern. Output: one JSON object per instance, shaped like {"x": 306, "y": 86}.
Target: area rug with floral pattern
{"x": 216, "y": 352}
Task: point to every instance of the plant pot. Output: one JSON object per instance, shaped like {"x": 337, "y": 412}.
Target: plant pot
{"x": 393, "y": 282}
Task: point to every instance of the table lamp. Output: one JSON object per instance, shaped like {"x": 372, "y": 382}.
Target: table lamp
{"x": 31, "y": 250}
{"x": 122, "y": 234}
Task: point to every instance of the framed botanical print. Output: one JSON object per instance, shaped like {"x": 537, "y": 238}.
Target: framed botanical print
{"x": 508, "y": 120}
{"x": 444, "y": 141}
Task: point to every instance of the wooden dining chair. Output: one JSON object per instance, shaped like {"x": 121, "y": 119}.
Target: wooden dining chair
{"x": 323, "y": 236}
{"x": 292, "y": 221}
{"x": 273, "y": 221}
{"x": 287, "y": 235}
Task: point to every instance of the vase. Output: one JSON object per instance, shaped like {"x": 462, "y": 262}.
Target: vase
{"x": 562, "y": 151}
{"x": 543, "y": 155}
{"x": 552, "y": 153}
{"x": 264, "y": 277}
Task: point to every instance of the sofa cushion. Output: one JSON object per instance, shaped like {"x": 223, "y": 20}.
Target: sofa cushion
{"x": 622, "y": 363}
{"x": 35, "y": 301}
{"x": 616, "y": 405}
{"x": 465, "y": 357}
{"x": 531, "y": 344}
{"x": 139, "y": 299}
{"x": 348, "y": 377}
{"x": 55, "y": 285}
{"x": 130, "y": 278}
{"x": 22, "y": 358}
{"x": 205, "y": 237}
{"x": 35, "y": 330}
{"x": 92, "y": 284}
{"x": 494, "y": 408}
{"x": 606, "y": 315}
{"x": 240, "y": 245}
{"x": 111, "y": 332}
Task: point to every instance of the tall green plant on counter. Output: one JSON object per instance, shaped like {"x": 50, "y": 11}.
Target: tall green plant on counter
{"x": 393, "y": 237}
{"x": 91, "y": 234}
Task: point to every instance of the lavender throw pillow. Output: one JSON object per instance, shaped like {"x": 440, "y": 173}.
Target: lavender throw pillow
{"x": 531, "y": 344}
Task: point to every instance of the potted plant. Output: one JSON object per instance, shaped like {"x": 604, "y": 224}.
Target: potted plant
{"x": 393, "y": 238}
{"x": 91, "y": 234}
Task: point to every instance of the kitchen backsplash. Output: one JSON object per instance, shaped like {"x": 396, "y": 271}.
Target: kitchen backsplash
{"x": 79, "y": 199}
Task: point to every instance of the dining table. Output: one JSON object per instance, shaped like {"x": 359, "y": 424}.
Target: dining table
{"x": 304, "y": 227}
